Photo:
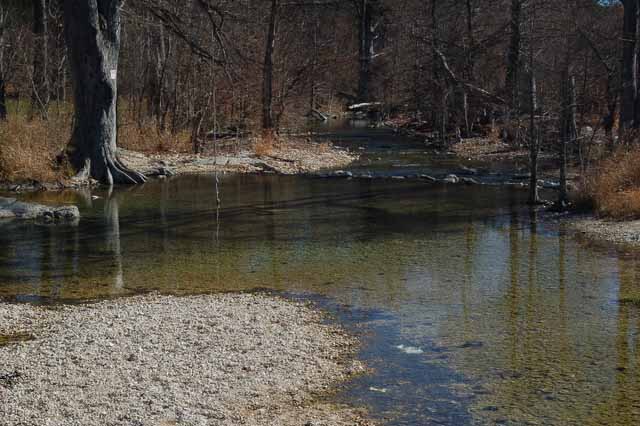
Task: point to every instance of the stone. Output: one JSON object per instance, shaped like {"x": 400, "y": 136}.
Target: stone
{"x": 451, "y": 179}
{"x": 428, "y": 178}
{"x": 469, "y": 181}
{"x": 10, "y": 208}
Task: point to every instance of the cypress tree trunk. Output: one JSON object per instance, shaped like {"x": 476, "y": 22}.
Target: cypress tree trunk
{"x": 92, "y": 30}
{"x": 533, "y": 142}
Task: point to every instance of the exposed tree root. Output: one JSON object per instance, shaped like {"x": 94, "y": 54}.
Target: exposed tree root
{"x": 114, "y": 172}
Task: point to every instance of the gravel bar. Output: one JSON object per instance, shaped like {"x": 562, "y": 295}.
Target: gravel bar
{"x": 230, "y": 359}
{"x": 625, "y": 233}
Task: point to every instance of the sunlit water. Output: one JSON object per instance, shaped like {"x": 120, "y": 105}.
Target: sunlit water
{"x": 473, "y": 310}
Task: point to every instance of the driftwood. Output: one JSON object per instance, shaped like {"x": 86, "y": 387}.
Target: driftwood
{"x": 478, "y": 90}
{"x": 318, "y": 115}
{"x": 366, "y": 106}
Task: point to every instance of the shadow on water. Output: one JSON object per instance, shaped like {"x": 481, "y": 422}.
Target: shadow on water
{"x": 472, "y": 309}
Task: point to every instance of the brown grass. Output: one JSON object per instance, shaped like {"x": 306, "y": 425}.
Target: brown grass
{"x": 148, "y": 139}
{"x": 615, "y": 186}
{"x": 266, "y": 144}
{"x": 28, "y": 148}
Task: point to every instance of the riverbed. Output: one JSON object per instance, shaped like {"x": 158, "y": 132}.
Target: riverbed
{"x": 472, "y": 308}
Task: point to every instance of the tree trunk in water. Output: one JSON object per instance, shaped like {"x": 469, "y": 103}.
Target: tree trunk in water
{"x": 567, "y": 130}
{"x": 40, "y": 84}
{"x": 629, "y": 66}
{"x": 533, "y": 143}
{"x": 92, "y": 30}
{"x": 468, "y": 69}
{"x": 268, "y": 123}
{"x": 513, "y": 57}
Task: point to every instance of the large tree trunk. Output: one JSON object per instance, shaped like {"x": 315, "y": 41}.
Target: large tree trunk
{"x": 268, "y": 122}
{"x": 92, "y": 30}
{"x": 40, "y": 84}
{"x": 629, "y": 66}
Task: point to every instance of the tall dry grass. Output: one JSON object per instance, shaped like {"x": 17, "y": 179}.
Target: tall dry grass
{"x": 265, "y": 144}
{"x": 148, "y": 139}
{"x": 614, "y": 188}
{"x": 28, "y": 148}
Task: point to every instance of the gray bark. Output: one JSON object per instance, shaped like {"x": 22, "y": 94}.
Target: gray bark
{"x": 533, "y": 142}
{"x": 568, "y": 132}
{"x": 92, "y": 30}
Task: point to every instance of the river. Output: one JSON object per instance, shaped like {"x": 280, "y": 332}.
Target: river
{"x": 473, "y": 309}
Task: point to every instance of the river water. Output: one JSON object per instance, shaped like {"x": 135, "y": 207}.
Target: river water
{"x": 473, "y": 310}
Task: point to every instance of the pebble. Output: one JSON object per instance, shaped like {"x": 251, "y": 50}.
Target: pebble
{"x": 228, "y": 359}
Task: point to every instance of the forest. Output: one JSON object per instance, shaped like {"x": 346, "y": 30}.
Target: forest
{"x": 535, "y": 73}
{"x": 319, "y": 212}
{"x": 558, "y": 77}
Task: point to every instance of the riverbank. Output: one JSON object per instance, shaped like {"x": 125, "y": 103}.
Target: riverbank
{"x": 288, "y": 157}
{"x": 620, "y": 233}
{"x": 227, "y": 359}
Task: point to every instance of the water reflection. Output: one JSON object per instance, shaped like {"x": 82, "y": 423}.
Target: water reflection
{"x": 510, "y": 321}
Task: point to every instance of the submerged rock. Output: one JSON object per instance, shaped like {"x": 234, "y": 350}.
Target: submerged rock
{"x": 10, "y": 208}
{"x": 451, "y": 179}
{"x": 470, "y": 181}
{"x": 428, "y": 178}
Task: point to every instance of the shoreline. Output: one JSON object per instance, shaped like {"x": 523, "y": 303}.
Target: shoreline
{"x": 225, "y": 359}
{"x": 622, "y": 234}
{"x": 288, "y": 157}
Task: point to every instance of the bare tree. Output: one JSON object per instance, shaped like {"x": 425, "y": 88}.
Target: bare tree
{"x": 628, "y": 113}
{"x": 40, "y": 84}
{"x": 93, "y": 37}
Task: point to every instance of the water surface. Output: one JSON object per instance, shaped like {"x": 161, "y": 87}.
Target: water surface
{"x": 473, "y": 309}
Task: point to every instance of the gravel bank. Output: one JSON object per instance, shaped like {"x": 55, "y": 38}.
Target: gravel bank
{"x": 205, "y": 360}
{"x": 289, "y": 157}
{"x": 622, "y": 233}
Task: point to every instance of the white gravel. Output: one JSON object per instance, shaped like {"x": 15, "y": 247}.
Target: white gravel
{"x": 240, "y": 359}
{"x": 621, "y": 233}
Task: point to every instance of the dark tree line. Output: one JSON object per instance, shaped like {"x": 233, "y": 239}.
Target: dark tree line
{"x": 537, "y": 71}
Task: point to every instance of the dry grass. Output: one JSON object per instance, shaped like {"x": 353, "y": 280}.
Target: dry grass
{"x": 615, "y": 187}
{"x": 266, "y": 144}
{"x": 28, "y": 148}
{"x": 148, "y": 139}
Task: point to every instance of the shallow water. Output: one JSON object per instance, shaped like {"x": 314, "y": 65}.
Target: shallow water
{"x": 473, "y": 310}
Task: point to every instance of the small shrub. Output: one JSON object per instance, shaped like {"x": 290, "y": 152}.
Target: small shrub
{"x": 148, "y": 139}
{"x": 265, "y": 145}
{"x": 615, "y": 186}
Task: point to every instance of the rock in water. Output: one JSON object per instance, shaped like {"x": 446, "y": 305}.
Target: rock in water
{"x": 451, "y": 179}
{"x": 10, "y": 208}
